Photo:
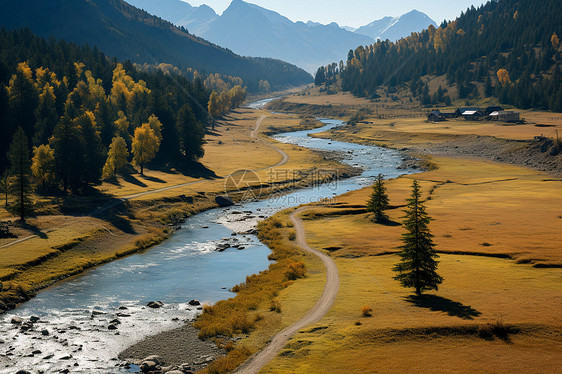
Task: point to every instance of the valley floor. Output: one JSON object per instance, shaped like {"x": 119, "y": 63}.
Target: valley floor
{"x": 497, "y": 228}
{"x": 74, "y": 233}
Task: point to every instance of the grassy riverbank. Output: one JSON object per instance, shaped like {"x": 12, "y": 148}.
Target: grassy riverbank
{"x": 497, "y": 228}
{"x": 66, "y": 238}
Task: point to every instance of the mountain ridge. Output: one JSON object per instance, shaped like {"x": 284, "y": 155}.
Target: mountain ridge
{"x": 394, "y": 28}
{"x": 251, "y": 30}
{"x": 128, "y": 33}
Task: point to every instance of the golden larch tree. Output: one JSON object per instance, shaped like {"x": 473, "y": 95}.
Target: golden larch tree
{"x": 145, "y": 145}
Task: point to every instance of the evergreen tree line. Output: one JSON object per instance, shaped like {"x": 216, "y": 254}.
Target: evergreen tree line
{"x": 75, "y": 107}
{"x": 521, "y": 37}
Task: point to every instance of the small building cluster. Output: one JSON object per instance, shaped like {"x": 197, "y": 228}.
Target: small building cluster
{"x": 491, "y": 113}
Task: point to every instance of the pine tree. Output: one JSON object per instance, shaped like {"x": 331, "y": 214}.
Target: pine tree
{"x": 20, "y": 183}
{"x": 46, "y": 116}
{"x": 418, "y": 264}
{"x": 4, "y": 186}
{"x": 378, "y": 202}
{"x": 23, "y": 98}
{"x": 67, "y": 142}
{"x": 191, "y": 133}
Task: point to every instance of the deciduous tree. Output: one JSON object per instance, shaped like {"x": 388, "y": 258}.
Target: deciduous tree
{"x": 116, "y": 157}
{"x": 145, "y": 145}
{"x": 43, "y": 164}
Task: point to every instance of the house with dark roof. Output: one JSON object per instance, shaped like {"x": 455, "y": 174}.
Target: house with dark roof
{"x": 435, "y": 116}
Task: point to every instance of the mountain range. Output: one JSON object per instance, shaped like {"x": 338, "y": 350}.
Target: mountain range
{"x": 123, "y": 31}
{"x": 394, "y": 28}
{"x": 250, "y": 30}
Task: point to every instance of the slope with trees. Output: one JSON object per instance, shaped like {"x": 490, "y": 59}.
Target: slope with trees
{"x": 518, "y": 39}
{"x": 128, "y": 33}
{"x": 72, "y": 103}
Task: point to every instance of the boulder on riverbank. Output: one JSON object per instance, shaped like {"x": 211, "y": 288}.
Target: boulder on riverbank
{"x": 224, "y": 201}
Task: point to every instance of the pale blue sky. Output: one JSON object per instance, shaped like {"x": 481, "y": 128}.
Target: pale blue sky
{"x": 352, "y": 12}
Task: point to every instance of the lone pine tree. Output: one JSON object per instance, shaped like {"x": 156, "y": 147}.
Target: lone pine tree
{"x": 20, "y": 184}
{"x": 378, "y": 202}
{"x": 418, "y": 258}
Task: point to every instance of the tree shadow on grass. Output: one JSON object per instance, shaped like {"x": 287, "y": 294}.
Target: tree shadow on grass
{"x": 441, "y": 304}
{"x": 388, "y": 222}
{"x": 153, "y": 179}
{"x": 133, "y": 180}
{"x": 35, "y": 230}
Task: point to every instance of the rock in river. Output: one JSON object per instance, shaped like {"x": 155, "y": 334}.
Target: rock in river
{"x": 224, "y": 201}
{"x": 155, "y": 304}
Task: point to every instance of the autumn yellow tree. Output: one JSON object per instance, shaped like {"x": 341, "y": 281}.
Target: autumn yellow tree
{"x": 225, "y": 102}
{"x": 555, "y": 40}
{"x": 145, "y": 145}
{"x": 503, "y": 77}
{"x": 214, "y": 106}
{"x": 237, "y": 96}
{"x": 116, "y": 157}
{"x": 122, "y": 124}
{"x": 43, "y": 164}
{"x": 156, "y": 126}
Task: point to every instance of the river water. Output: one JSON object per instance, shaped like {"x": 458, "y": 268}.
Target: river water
{"x": 76, "y": 313}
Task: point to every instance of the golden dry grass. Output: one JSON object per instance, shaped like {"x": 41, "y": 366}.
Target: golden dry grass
{"x": 441, "y": 333}
{"x": 69, "y": 244}
{"x": 477, "y": 207}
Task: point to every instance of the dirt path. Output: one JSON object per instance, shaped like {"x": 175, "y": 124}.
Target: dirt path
{"x": 322, "y": 306}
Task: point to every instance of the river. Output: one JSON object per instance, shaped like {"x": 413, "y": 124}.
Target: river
{"x": 76, "y": 313}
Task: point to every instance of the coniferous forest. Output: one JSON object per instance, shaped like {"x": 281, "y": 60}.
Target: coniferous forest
{"x": 508, "y": 49}
{"x": 74, "y": 102}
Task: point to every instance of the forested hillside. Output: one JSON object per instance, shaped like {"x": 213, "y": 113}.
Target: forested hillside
{"x": 509, "y": 49}
{"x": 128, "y": 33}
{"x": 73, "y": 102}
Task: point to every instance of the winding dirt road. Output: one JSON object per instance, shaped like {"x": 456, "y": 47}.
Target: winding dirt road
{"x": 322, "y": 306}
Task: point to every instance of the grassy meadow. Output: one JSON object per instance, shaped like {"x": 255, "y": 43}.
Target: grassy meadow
{"x": 495, "y": 312}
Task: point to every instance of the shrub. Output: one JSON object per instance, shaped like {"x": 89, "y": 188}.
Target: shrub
{"x": 230, "y": 362}
{"x": 240, "y": 323}
{"x": 497, "y": 329}
{"x": 366, "y": 310}
{"x": 275, "y": 306}
{"x": 295, "y": 270}
{"x": 292, "y": 236}
{"x": 277, "y": 224}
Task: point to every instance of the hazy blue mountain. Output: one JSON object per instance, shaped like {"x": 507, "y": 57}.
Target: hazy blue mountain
{"x": 170, "y": 10}
{"x": 180, "y": 13}
{"x": 250, "y": 30}
{"x": 394, "y": 28}
{"x": 123, "y": 31}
